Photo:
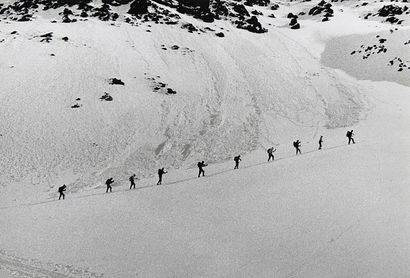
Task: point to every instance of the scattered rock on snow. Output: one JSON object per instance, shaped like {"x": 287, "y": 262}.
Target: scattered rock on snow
{"x": 252, "y": 24}
{"x": 400, "y": 63}
{"x": 295, "y": 26}
{"x": 139, "y": 7}
{"x": 257, "y": 2}
{"x": 141, "y": 11}
{"x": 115, "y": 81}
{"x": 160, "y": 87}
{"x": 183, "y": 50}
{"x": 291, "y": 15}
{"x": 322, "y": 8}
{"x": 371, "y": 49}
{"x": 47, "y": 37}
{"x": 171, "y": 91}
{"x": 191, "y": 28}
{"x": 106, "y": 97}
{"x": 391, "y": 12}
{"x": 66, "y": 16}
{"x": 293, "y": 21}
{"x": 274, "y": 7}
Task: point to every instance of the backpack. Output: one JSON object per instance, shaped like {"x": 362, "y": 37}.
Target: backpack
{"x": 348, "y": 134}
{"x": 270, "y": 150}
{"x": 236, "y": 158}
{"x": 131, "y": 178}
{"x": 295, "y": 144}
{"x": 199, "y": 164}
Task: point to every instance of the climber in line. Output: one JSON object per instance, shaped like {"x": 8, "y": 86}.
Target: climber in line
{"x": 132, "y": 181}
{"x": 237, "y": 159}
{"x": 270, "y": 153}
{"x": 108, "y": 182}
{"x": 161, "y": 172}
{"x": 61, "y": 190}
{"x": 201, "y": 166}
{"x": 349, "y": 134}
{"x": 296, "y": 144}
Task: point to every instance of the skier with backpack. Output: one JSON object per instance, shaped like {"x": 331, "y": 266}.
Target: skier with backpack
{"x": 108, "y": 182}
{"x": 237, "y": 159}
{"x": 61, "y": 190}
{"x": 270, "y": 153}
{"x": 201, "y": 166}
{"x": 349, "y": 134}
{"x": 320, "y": 142}
{"x": 161, "y": 172}
{"x": 132, "y": 181}
{"x": 296, "y": 144}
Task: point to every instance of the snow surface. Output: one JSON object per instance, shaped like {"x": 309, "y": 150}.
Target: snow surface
{"x": 231, "y": 96}
{"x": 339, "y": 212}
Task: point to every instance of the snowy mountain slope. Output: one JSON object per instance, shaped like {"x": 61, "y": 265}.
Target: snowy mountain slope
{"x": 229, "y": 98}
{"x": 337, "y": 212}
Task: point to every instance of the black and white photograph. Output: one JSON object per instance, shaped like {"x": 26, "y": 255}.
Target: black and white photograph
{"x": 204, "y": 139}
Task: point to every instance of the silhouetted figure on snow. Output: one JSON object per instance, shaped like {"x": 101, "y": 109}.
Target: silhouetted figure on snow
{"x": 201, "y": 166}
{"x": 320, "y": 142}
{"x": 132, "y": 181}
{"x": 270, "y": 153}
{"x": 237, "y": 159}
{"x": 349, "y": 134}
{"x": 61, "y": 190}
{"x": 160, "y": 173}
{"x": 296, "y": 144}
{"x": 108, "y": 182}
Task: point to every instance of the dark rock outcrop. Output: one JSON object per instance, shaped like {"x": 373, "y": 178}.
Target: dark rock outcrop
{"x": 171, "y": 91}
{"x": 139, "y": 7}
{"x": 257, "y": 2}
{"x": 116, "y": 2}
{"x": 66, "y": 16}
{"x": 191, "y": 28}
{"x": 115, "y": 81}
{"x": 295, "y": 26}
{"x": 322, "y": 8}
{"x": 104, "y": 13}
{"x": 252, "y": 24}
{"x": 392, "y": 13}
{"x": 140, "y": 11}
{"x": 47, "y": 37}
{"x": 106, "y": 97}
{"x": 241, "y": 10}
